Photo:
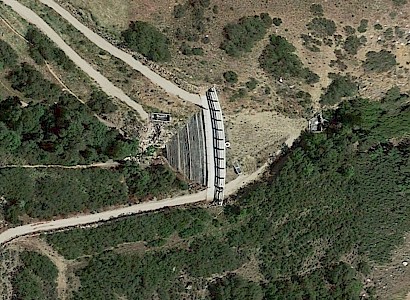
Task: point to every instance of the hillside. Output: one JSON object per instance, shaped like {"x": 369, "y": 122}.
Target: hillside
{"x": 322, "y": 223}
{"x": 327, "y": 217}
{"x": 325, "y": 39}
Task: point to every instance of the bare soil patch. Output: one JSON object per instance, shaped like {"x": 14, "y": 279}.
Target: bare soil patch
{"x": 392, "y": 280}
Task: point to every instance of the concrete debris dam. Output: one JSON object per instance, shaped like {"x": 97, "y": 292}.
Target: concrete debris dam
{"x": 186, "y": 151}
{"x": 198, "y": 149}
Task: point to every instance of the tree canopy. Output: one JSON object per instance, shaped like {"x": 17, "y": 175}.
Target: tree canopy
{"x": 147, "y": 40}
{"x": 241, "y": 37}
{"x": 278, "y": 59}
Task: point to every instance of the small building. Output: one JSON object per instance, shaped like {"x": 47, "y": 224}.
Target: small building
{"x": 317, "y": 123}
{"x": 160, "y": 117}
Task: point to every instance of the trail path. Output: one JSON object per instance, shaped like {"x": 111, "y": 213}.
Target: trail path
{"x": 109, "y": 164}
{"x": 102, "y": 81}
{"x": 167, "y": 85}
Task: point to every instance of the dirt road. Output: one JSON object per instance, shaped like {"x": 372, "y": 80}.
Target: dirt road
{"x": 110, "y": 89}
{"x": 102, "y": 81}
{"x": 230, "y": 189}
{"x": 167, "y": 85}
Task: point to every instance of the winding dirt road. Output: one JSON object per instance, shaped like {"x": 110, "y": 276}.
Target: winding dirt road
{"x": 167, "y": 85}
{"x": 102, "y": 81}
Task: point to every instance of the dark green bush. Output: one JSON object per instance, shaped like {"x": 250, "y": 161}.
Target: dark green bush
{"x": 381, "y": 61}
{"x": 241, "y": 37}
{"x": 101, "y": 103}
{"x": 341, "y": 86}
{"x": 363, "y": 25}
{"x": 322, "y": 27}
{"x": 316, "y": 10}
{"x": 62, "y": 131}
{"x": 278, "y": 59}
{"x": 352, "y": 44}
{"x": 378, "y": 26}
{"x": 349, "y": 30}
{"x": 197, "y": 51}
{"x": 399, "y": 2}
{"x": 388, "y": 34}
{"x": 8, "y": 57}
{"x": 251, "y": 84}
{"x": 179, "y": 11}
{"x": 36, "y": 278}
{"x": 277, "y": 21}
{"x": 231, "y": 76}
{"x": 147, "y": 40}
{"x": 234, "y": 287}
{"x": 32, "y": 84}
{"x": 41, "y": 49}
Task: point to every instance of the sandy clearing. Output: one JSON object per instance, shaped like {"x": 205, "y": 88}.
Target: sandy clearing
{"x": 167, "y": 85}
{"x": 102, "y": 81}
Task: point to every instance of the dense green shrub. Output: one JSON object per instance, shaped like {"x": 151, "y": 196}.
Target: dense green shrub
{"x": 322, "y": 27}
{"x": 349, "y": 30}
{"x": 279, "y": 60}
{"x": 179, "y": 11}
{"x": 187, "y": 50}
{"x": 147, "y": 40}
{"x": 44, "y": 193}
{"x": 32, "y": 84}
{"x": 251, "y": 84}
{"x": 241, "y": 37}
{"x": 378, "y": 26}
{"x": 59, "y": 192}
{"x": 311, "y": 43}
{"x": 36, "y": 278}
{"x": 100, "y": 103}
{"x": 41, "y": 48}
{"x": 363, "y": 25}
{"x": 234, "y": 287}
{"x": 231, "y": 76}
{"x": 8, "y": 56}
{"x": 352, "y": 44}
{"x": 381, "y": 61}
{"x": 316, "y": 10}
{"x": 334, "y": 193}
{"x": 143, "y": 228}
{"x": 388, "y": 34}
{"x": 341, "y": 86}
{"x": 399, "y": 2}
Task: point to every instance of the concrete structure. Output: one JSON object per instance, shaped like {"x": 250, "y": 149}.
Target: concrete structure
{"x": 186, "y": 150}
{"x": 218, "y": 144}
{"x": 160, "y": 117}
{"x": 198, "y": 149}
